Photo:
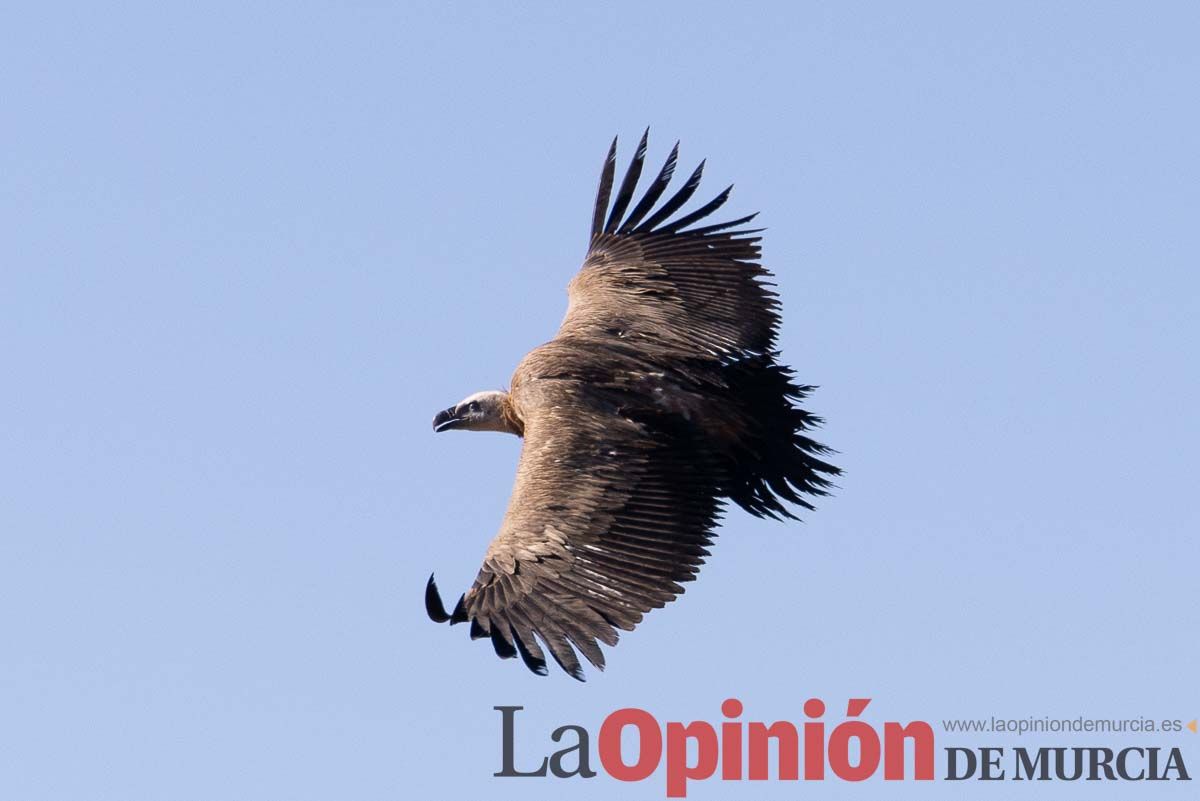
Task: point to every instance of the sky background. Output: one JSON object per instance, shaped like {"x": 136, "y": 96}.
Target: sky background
{"x": 246, "y": 253}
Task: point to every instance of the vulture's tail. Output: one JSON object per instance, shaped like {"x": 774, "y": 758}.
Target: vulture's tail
{"x": 776, "y": 461}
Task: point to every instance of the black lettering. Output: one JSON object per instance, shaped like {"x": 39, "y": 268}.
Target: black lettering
{"x": 1175, "y": 762}
{"x": 1098, "y": 764}
{"x": 508, "y": 715}
{"x": 1040, "y": 764}
{"x": 1060, "y": 764}
{"x": 952, "y": 773}
{"x": 1122, "y": 767}
{"x": 988, "y": 762}
{"x": 580, "y": 748}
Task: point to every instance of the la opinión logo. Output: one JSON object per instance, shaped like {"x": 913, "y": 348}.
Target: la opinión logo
{"x": 805, "y": 749}
{"x": 852, "y": 750}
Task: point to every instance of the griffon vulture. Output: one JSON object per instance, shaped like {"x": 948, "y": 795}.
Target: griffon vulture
{"x": 659, "y": 398}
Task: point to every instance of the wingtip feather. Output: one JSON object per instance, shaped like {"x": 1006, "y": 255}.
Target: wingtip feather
{"x": 535, "y": 662}
{"x": 459, "y": 615}
{"x": 605, "y": 190}
{"x": 504, "y": 649}
{"x": 433, "y": 602}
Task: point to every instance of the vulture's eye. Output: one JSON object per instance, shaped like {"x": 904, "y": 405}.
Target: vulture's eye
{"x": 473, "y": 406}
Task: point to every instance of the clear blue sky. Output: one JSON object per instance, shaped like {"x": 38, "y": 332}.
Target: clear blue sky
{"x": 245, "y": 255}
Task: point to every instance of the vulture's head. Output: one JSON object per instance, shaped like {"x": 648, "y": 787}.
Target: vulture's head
{"x": 483, "y": 411}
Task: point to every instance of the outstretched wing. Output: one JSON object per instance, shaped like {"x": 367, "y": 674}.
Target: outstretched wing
{"x": 661, "y": 397}
{"x": 649, "y": 277}
{"x": 608, "y": 516}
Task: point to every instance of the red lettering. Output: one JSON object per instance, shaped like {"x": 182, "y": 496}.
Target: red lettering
{"x": 788, "y": 748}
{"x": 678, "y": 771}
{"x": 921, "y": 734}
{"x": 649, "y": 744}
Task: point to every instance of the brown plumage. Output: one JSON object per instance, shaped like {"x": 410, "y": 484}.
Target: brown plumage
{"x": 659, "y": 398}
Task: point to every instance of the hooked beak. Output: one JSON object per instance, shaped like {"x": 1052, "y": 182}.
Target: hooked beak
{"x": 447, "y": 419}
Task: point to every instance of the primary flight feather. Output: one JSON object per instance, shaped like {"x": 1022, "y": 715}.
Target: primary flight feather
{"x": 659, "y": 398}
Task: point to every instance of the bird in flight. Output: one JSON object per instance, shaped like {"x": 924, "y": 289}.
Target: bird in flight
{"x": 660, "y": 398}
